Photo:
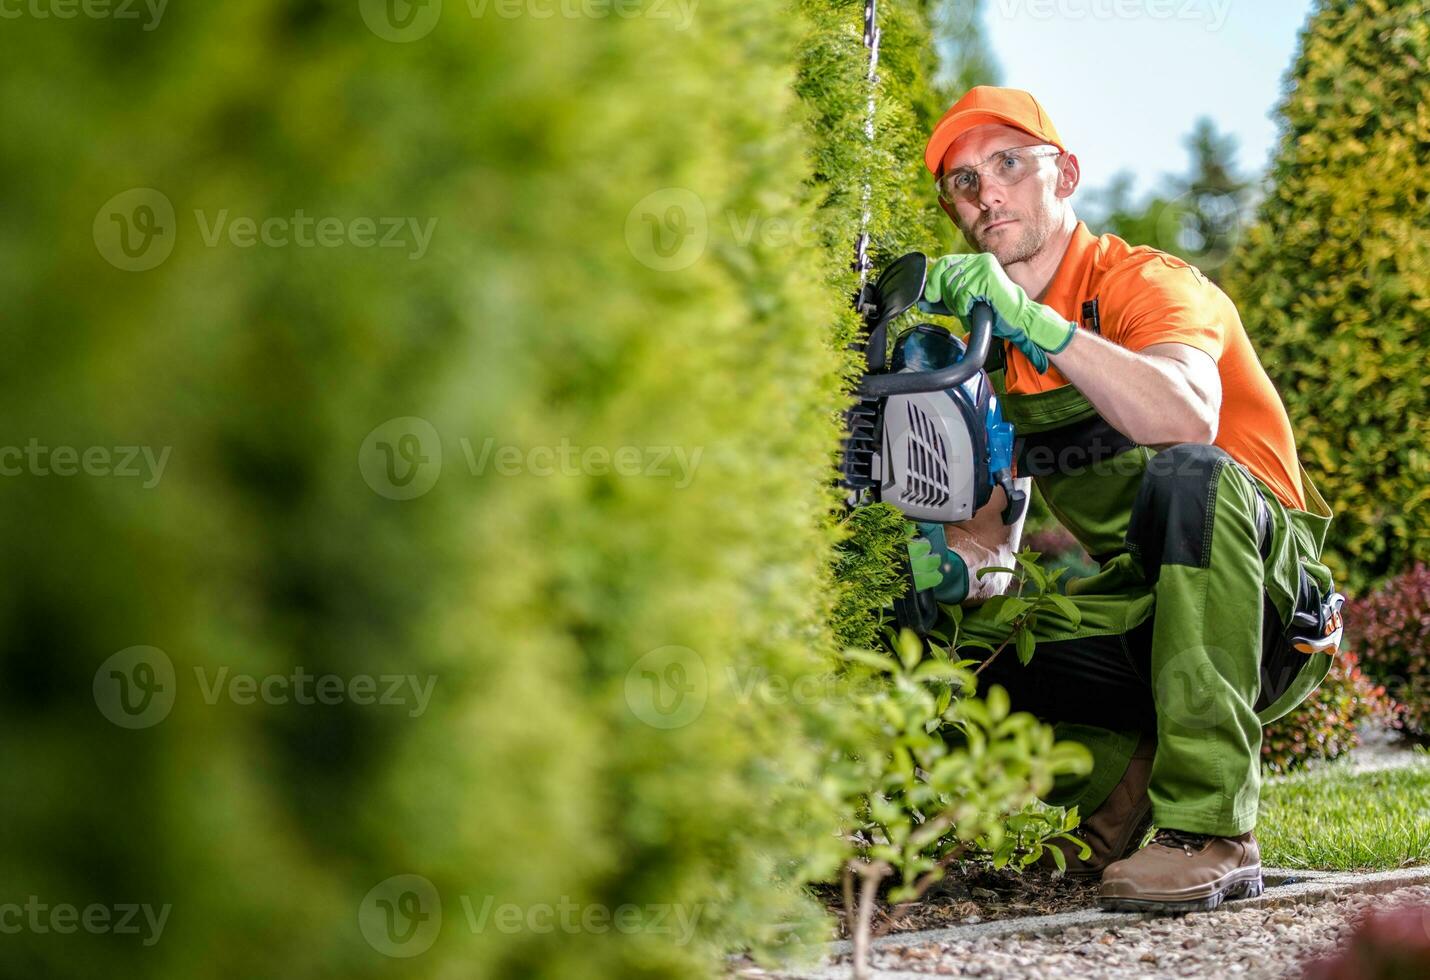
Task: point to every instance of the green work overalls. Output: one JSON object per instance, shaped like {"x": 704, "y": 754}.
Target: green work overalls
{"x": 1219, "y": 548}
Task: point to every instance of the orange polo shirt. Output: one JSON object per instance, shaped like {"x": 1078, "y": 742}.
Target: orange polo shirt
{"x": 1148, "y": 297}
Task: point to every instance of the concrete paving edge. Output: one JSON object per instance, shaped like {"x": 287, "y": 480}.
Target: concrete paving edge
{"x": 1316, "y": 886}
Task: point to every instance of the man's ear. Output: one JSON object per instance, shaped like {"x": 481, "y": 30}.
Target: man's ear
{"x": 1069, "y": 175}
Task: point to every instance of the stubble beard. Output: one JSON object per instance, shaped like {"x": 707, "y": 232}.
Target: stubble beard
{"x": 1033, "y": 235}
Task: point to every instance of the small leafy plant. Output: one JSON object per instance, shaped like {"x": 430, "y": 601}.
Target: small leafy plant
{"x": 1020, "y": 610}
{"x": 933, "y": 774}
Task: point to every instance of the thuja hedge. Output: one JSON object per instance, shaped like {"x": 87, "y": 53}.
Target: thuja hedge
{"x": 1332, "y": 277}
{"x": 903, "y": 216}
{"x": 638, "y": 236}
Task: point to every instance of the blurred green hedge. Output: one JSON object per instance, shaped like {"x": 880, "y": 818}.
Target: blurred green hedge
{"x": 1333, "y": 279}
{"x": 640, "y": 230}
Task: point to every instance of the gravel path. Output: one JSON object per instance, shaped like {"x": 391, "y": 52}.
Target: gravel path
{"x": 1376, "y": 753}
{"x": 1250, "y": 943}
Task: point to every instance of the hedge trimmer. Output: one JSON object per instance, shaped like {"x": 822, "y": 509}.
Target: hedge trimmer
{"x": 927, "y": 434}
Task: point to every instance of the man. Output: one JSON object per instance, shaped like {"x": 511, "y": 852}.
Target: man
{"x": 1157, "y": 439}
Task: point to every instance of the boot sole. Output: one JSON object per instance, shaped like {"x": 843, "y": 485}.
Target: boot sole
{"x": 1241, "y": 883}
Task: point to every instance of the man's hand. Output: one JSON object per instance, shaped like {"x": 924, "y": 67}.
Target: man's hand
{"x": 936, "y": 566}
{"x": 924, "y": 564}
{"x": 956, "y": 281}
{"x": 985, "y": 541}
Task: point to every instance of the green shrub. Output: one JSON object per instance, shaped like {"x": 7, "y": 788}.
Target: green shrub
{"x": 868, "y": 573}
{"x": 932, "y": 776}
{"x": 273, "y": 543}
{"x": 1391, "y": 629}
{"x": 903, "y": 213}
{"x": 1331, "y": 279}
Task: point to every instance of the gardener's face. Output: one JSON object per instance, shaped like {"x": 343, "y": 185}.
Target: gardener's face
{"x": 1016, "y": 221}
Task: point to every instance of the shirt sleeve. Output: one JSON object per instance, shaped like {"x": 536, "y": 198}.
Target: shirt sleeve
{"x": 1163, "y": 301}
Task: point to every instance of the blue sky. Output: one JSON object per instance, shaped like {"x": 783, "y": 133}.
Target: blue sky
{"x": 1124, "y": 80}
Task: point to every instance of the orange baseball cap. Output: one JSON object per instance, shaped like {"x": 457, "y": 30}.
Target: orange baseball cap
{"x": 988, "y": 104}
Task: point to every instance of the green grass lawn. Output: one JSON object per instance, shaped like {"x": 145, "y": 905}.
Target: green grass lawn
{"x": 1338, "y": 821}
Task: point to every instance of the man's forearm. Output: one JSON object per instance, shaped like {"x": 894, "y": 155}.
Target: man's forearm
{"x": 1148, "y": 399}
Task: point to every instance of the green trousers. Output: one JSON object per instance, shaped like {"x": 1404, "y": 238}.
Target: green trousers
{"x": 1180, "y": 633}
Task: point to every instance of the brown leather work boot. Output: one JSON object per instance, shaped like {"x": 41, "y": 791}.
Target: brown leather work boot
{"x": 1183, "y": 872}
{"x": 1116, "y": 827}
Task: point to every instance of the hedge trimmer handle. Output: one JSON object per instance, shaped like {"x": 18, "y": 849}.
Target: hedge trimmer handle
{"x": 980, "y": 335}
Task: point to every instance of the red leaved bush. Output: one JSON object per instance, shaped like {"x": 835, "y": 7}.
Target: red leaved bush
{"x": 1327, "y": 724}
{"x": 1391, "y": 629}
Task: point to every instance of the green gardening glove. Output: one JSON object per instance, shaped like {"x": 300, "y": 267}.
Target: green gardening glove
{"x": 924, "y": 563}
{"x": 937, "y": 566}
{"x": 956, "y": 281}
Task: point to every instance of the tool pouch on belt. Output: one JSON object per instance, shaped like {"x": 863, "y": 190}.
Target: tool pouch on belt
{"x": 1316, "y": 625}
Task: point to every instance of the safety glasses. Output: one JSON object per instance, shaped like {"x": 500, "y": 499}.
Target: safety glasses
{"x": 1004, "y": 168}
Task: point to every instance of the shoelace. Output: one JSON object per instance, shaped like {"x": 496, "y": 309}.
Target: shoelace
{"x": 1186, "y": 840}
